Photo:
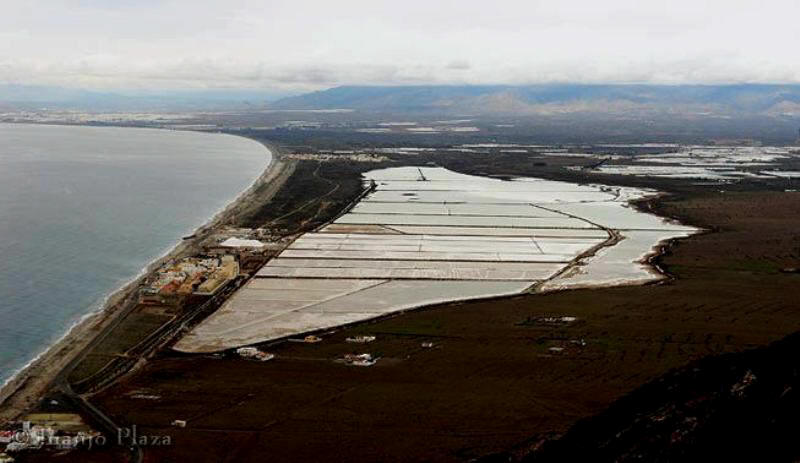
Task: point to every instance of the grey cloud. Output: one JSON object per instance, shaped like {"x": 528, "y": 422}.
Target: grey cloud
{"x": 314, "y": 44}
{"x": 458, "y": 65}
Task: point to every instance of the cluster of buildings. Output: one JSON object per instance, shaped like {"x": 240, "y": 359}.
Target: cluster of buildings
{"x": 251, "y": 247}
{"x": 55, "y": 431}
{"x": 192, "y": 275}
{"x": 79, "y": 117}
{"x": 344, "y": 156}
{"x": 224, "y": 257}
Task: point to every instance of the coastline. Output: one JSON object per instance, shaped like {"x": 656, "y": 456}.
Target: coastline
{"x": 26, "y": 386}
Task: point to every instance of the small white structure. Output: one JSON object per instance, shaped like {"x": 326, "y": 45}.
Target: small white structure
{"x": 253, "y": 353}
{"x": 360, "y": 360}
{"x": 242, "y": 243}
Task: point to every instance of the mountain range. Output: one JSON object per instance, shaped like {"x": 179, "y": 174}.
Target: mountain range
{"x": 540, "y": 100}
{"x": 756, "y": 99}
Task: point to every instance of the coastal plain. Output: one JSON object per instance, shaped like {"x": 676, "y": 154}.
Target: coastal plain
{"x": 457, "y": 381}
{"x": 491, "y": 382}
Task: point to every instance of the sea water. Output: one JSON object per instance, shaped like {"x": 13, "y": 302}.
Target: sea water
{"x": 84, "y": 209}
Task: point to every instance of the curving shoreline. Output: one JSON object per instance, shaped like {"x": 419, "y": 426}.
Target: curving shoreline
{"x": 26, "y": 386}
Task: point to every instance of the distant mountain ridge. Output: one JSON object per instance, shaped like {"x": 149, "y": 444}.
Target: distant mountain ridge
{"x": 556, "y": 98}
{"x": 35, "y": 96}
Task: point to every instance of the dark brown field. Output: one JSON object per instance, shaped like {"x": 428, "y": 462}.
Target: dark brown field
{"x": 489, "y": 384}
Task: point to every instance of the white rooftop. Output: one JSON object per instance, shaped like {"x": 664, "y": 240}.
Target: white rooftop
{"x": 241, "y": 243}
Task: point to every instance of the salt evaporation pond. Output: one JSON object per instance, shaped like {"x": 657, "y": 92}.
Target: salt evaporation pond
{"x": 430, "y": 235}
{"x": 717, "y": 163}
{"x": 84, "y": 209}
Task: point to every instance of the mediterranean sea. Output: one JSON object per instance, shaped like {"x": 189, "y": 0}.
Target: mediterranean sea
{"x": 83, "y": 210}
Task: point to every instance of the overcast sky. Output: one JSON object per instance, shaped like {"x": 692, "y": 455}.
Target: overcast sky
{"x": 302, "y": 45}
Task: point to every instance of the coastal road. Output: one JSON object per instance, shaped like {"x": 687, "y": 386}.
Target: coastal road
{"x": 120, "y": 366}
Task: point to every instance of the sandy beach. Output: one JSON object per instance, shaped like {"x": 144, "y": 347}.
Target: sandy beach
{"x": 25, "y": 389}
